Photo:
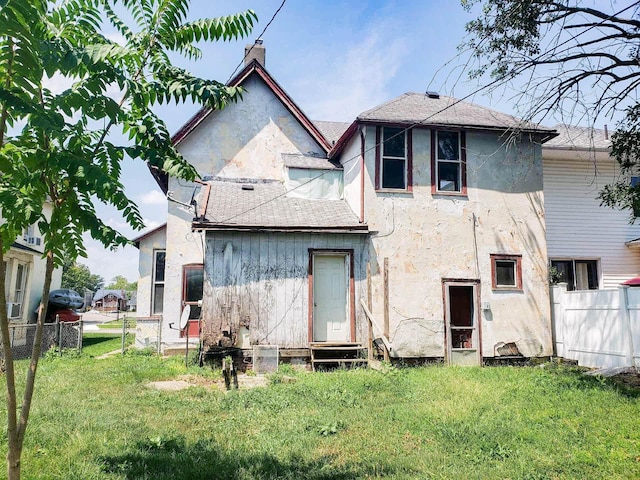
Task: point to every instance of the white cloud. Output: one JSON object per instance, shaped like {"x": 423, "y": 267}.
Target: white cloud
{"x": 58, "y": 83}
{"x": 359, "y": 79}
{"x": 153, "y": 197}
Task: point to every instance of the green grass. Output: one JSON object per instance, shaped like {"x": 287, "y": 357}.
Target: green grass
{"x": 97, "y": 419}
{"x": 131, "y": 323}
{"x": 95, "y": 344}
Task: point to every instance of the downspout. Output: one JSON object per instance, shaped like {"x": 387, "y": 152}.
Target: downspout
{"x": 362, "y": 137}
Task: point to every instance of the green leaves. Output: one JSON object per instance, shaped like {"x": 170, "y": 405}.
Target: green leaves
{"x": 63, "y": 154}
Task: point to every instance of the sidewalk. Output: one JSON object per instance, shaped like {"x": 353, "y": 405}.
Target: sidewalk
{"x": 93, "y": 318}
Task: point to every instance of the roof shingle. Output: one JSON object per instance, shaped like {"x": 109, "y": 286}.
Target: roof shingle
{"x": 418, "y": 108}
{"x": 264, "y": 204}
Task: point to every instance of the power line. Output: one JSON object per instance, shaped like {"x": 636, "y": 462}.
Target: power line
{"x": 259, "y": 36}
{"x": 510, "y": 74}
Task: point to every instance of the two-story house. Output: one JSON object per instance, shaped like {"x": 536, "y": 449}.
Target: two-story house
{"x": 439, "y": 202}
{"x": 24, "y": 277}
{"x": 590, "y": 246}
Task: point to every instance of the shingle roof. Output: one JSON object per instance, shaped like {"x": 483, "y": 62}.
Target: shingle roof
{"x": 101, "y": 293}
{"x": 411, "y": 108}
{"x": 295, "y": 160}
{"x": 579, "y": 138}
{"x": 264, "y": 205}
{"x": 332, "y": 131}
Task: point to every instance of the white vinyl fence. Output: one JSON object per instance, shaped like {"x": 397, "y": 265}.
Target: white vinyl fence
{"x": 598, "y": 328}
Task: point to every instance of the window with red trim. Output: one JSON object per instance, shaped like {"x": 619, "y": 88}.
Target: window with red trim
{"x": 506, "y": 272}
{"x": 448, "y": 162}
{"x": 393, "y": 158}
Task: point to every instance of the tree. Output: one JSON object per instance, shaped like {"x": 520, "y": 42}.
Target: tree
{"x": 78, "y": 277}
{"x": 579, "y": 62}
{"x": 64, "y": 152}
{"x": 121, "y": 283}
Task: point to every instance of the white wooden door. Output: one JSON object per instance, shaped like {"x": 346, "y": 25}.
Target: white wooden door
{"x": 330, "y": 306}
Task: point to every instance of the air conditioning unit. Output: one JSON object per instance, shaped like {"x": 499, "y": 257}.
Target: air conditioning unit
{"x": 13, "y": 309}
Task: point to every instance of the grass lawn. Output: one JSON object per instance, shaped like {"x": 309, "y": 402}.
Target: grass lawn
{"x": 97, "y": 419}
{"x": 131, "y": 323}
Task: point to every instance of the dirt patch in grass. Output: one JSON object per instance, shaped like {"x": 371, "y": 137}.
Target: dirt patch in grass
{"x": 186, "y": 381}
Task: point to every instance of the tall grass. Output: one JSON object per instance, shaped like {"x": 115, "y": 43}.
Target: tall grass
{"x": 97, "y": 419}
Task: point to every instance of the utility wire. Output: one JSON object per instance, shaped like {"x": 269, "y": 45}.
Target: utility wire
{"x": 259, "y": 36}
{"x": 503, "y": 77}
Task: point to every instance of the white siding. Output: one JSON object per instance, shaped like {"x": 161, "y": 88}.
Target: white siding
{"x": 578, "y": 227}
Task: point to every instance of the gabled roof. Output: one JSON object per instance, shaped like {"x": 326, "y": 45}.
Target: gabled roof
{"x": 256, "y": 68}
{"x": 262, "y": 205}
{"x": 136, "y": 241}
{"x": 253, "y": 68}
{"x": 579, "y": 138}
{"x": 101, "y": 293}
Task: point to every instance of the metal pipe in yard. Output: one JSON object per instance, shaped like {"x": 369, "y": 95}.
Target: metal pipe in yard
{"x": 124, "y": 332}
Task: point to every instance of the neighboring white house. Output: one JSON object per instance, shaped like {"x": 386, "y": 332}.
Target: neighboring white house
{"x": 24, "y": 279}
{"x": 590, "y": 245}
{"x": 272, "y": 246}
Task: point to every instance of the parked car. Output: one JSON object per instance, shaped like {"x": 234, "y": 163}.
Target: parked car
{"x": 62, "y": 303}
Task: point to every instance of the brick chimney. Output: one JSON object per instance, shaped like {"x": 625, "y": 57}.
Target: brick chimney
{"x": 255, "y": 51}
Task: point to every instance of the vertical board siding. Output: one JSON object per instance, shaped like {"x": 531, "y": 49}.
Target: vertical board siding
{"x": 578, "y": 227}
{"x": 263, "y": 283}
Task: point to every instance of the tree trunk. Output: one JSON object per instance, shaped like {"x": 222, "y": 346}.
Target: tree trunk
{"x": 14, "y": 448}
{"x": 16, "y": 434}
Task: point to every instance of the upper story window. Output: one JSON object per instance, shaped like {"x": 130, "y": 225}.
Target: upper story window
{"x": 29, "y": 236}
{"x": 393, "y": 158}
{"x": 448, "y": 164}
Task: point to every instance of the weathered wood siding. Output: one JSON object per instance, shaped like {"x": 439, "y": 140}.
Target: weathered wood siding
{"x": 260, "y": 281}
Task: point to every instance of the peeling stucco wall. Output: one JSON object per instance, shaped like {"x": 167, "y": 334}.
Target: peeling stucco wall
{"x": 428, "y": 238}
{"x": 244, "y": 140}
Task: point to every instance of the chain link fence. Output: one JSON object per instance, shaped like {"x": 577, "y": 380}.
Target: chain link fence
{"x": 148, "y": 333}
{"x": 63, "y": 335}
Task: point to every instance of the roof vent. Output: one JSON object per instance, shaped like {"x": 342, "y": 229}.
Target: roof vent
{"x": 432, "y": 94}
{"x": 247, "y": 187}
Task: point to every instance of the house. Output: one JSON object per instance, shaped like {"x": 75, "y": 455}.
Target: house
{"x": 24, "y": 276}
{"x": 430, "y": 207}
{"x": 590, "y": 246}
{"x": 110, "y": 300}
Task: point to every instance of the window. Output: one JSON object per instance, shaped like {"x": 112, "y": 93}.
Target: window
{"x": 448, "y": 165}
{"x": 192, "y": 287}
{"x": 577, "y": 274}
{"x": 393, "y": 158}
{"x": 506, "y": 272}
{"x": 157, "y": 292}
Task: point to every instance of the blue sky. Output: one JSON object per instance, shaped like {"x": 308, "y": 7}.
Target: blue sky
{"x": 335, "y": 59}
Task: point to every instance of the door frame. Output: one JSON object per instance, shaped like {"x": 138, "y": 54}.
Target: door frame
{"x": 347, "y": 253}
{"x": 461, "y": 282}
